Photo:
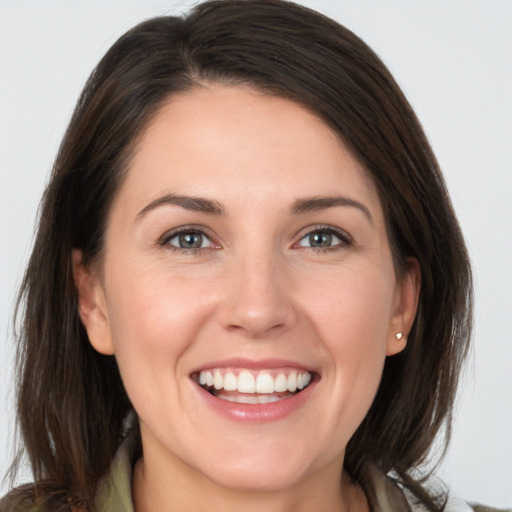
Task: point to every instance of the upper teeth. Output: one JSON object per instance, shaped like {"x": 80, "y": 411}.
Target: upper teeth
{"x": 246, "y": 382}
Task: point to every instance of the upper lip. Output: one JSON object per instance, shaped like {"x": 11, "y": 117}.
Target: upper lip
{"x": 253, "y": 364}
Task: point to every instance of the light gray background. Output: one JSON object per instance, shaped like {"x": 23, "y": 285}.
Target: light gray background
{"x": 454, "y": 61}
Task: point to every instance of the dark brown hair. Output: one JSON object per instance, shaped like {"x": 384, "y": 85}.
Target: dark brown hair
{"x": 72, "y": 406}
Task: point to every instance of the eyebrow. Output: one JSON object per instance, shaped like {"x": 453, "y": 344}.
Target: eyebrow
{"x": 196, "y": 204}
{"x": 312, "y": 204}
{"x": 301, "y": 206}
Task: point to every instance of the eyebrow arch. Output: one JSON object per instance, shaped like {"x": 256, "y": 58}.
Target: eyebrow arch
{"x": 311, "y": 204}
{"x": 197, "y": 204}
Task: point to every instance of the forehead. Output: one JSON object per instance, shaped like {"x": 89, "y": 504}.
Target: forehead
{"x": 236, "y": 142}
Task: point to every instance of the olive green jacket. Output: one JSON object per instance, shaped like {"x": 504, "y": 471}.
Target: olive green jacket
{"x": 115, "y": 494}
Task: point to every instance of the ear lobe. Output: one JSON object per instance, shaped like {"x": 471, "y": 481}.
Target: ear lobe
{"x": 91, "y": 305}
{"x": 406, "y": 304}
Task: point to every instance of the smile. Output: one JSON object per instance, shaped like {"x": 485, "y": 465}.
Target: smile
{"x": 253, "y": 387}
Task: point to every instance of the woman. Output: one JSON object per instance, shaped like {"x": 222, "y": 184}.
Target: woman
{"x": 237, "y": 292}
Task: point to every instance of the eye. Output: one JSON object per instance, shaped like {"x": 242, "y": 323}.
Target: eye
{"x": 189, "y": 239}
{"x": 325, "y": 238}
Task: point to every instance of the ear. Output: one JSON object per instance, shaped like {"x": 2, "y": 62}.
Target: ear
{"x": 92, "y": 305}
{"x": 405, "y": 305}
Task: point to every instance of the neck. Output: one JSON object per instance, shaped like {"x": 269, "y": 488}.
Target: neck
{"x": 323, "y": 491}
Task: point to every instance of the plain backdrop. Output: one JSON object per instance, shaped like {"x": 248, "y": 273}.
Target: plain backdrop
{"x": 454, "y": 62}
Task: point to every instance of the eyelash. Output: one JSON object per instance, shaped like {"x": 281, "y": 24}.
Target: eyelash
{"x": 344, "y": 237}
{"x": 185, "y": 230}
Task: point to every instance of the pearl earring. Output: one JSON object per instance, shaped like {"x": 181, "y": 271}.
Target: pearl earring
{"x": 398, "y": 335}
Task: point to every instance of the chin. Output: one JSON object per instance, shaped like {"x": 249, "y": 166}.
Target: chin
{"x": 261, "y": 470}
{"x": 258, "y": 479}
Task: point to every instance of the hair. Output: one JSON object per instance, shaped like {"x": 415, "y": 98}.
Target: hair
{"x": 72, "y": 406}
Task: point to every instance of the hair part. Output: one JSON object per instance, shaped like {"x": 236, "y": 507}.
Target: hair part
{"x": 72, "y": 406}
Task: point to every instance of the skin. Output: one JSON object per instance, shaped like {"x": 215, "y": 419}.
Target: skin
{"x": 256, "y": 290}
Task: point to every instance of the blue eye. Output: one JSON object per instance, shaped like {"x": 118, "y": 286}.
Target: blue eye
{"x": 324, "y": 238}
{"x": 190, "y": 239}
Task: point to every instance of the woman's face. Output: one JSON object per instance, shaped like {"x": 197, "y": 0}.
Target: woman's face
{"x": 246, "y": 251}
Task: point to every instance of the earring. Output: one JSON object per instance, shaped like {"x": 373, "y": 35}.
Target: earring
{"x": 398, "y": 335}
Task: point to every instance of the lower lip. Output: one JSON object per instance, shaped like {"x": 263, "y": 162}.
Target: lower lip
{"x": 256, "y": 412}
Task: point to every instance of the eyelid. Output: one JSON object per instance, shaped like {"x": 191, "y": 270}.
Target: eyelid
{"x": 346, "y": 239}
{"x": 163, "y": 241}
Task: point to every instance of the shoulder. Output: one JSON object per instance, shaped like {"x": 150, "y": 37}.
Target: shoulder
{"x": 13, "y": 503}
{"x": 454, "y": 504}
{"x": 390, "y": 496}
{"x": 20, "y": 502}
{"x": 483, "y": 508}
{"x": 114, "y": 491}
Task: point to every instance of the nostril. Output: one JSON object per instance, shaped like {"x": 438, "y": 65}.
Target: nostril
{"x": 255, "y": 329}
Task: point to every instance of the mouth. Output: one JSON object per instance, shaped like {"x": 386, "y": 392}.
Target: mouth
{"x": 247, "y": 386}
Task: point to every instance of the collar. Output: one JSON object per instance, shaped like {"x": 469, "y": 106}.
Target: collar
{"x": 115, "y": 490}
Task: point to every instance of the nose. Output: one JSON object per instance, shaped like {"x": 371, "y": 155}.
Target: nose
{"x": 258, "y": 301}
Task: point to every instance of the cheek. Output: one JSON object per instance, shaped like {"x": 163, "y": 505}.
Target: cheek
{"x": 153, "y": 319}
{"x": 354, "y": 305}
{"x": 153, "y": 304}
{"x": 352, "y": 317}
